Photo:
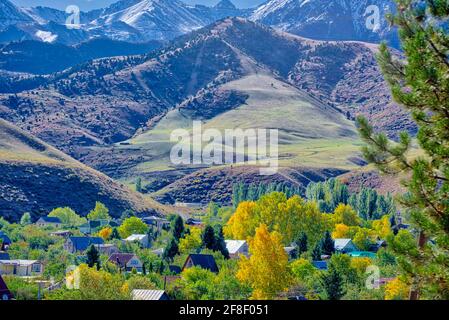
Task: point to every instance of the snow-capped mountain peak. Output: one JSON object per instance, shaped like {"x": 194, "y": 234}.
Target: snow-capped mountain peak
{"x": 12, "y": 15}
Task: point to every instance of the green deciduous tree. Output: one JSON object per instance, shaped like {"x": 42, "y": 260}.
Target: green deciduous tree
{"x": 26, "y": 219}
{"x": 131, "y": 226}
{"x": 67, "y": 216}
{"x": 99, "y": 212}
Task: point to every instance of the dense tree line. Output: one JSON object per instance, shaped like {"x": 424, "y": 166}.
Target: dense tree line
{"x": 369, "y": 204}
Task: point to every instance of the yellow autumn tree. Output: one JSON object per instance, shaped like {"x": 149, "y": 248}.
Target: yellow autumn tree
{"x": 191, "y": 241}
{"x": 341, "y": 231}
{"x": 382, "y": 227}
{"x": 364, "y": 238}
{"x": 96, "y": 284}
{"x": 396, "y": 290}
{"x": 344, "y": 214}
{"x": 361, "y": 264}
{"x": 105, "y": 233}
{"x": 290, "y": 217}
{"x": 242, "y": 223}
{"x": 266, "y": 271}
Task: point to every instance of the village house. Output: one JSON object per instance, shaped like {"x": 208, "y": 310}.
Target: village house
{"x": 374, "y": 247}
{"x": 139, "y": 294}
{"x": 204, "y": 261}
{"x": 21, "y": 268}
{"x": 49, "y": 222}
{"x": 5, "y": 294}
{"x": 126, "y": 262}
{"x": 107, "y": 249}
{"x": 141, "y": 239}
{"x": 174, "y": 270}
{"x": 159, "y": 252}
{"x": 80, "y": 244}
{"x": 362, "y": 254}
{"x": 237, "y": 248}
{"x": 158, "y": 222}
{"x": 5, "y": 242}
{"x": 61, "y": 233}
{"x": 92, "y": 226}
{"x": 344, "y": 245}
{"x": 291, "y": 251}
{"x": 4, "y": 255}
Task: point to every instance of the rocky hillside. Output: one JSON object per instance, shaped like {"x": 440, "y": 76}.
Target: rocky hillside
{"x": 215, "y": 184}
{"x": 37, "y": 178}
{"x": 107, "y": 100}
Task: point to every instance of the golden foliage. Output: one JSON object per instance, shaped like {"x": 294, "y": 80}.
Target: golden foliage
{"x": 396, "y": 290}
{"x": 382, "y": 227}
{"x": 344, "y": 214}
{"x": 266, "y": 271}
{"x": 289, "y": 217}
{"x": 361, "y": 263}
{"x": 341, "y": 231}
{"x": 242, "y": 223}
{"x": 191, "y": 241}
{"x": 105, "y": 233}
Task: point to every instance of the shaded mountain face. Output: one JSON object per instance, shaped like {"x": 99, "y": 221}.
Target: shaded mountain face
{"x": 361, "y": 20}
{"x": 37, "y": 178}
{"x": 38, "y": 57}
{"x": 107, "y": 100}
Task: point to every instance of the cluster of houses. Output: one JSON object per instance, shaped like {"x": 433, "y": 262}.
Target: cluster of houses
{"x": 129, "y": 262}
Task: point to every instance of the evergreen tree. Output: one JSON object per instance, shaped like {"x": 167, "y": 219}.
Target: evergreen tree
{"x": 327, "y": 244}
{"x": 171, "y": 250}
{"x": 420, "y": 83}
{"x": 208, "y": 237}
{"x": 161, "y": 267}
{"x": 316, "y": 253}
{"x": 178, "y": 228}
{"x": 220, "y": 244}
{"x": 93, "y": 257}
{"x": 302, "y": 243}
{"x": 115, "y": 234}
{"x": 332, "y": 283}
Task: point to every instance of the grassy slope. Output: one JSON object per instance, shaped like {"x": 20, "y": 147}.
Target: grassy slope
{"x": 310, "y": 133}
{"x": 37, "y": 177}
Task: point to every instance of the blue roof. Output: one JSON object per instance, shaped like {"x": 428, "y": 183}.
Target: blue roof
{"x": 82, "y": 243}
{"x": 50, "y": 219}
{"x": 205, "y": 261}
{"x": 322, "y": 265}
{"x": 4, "y": 256}
{"x": 5, "y": 239}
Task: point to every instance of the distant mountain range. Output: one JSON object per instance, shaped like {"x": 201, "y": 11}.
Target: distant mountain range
{"x": 107, "y": 100}
{"x": 36, "y": 57}
{"x": 126, "y": 20}
{"x": 362, "y": 20}
{"x": 144, "y": 20}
